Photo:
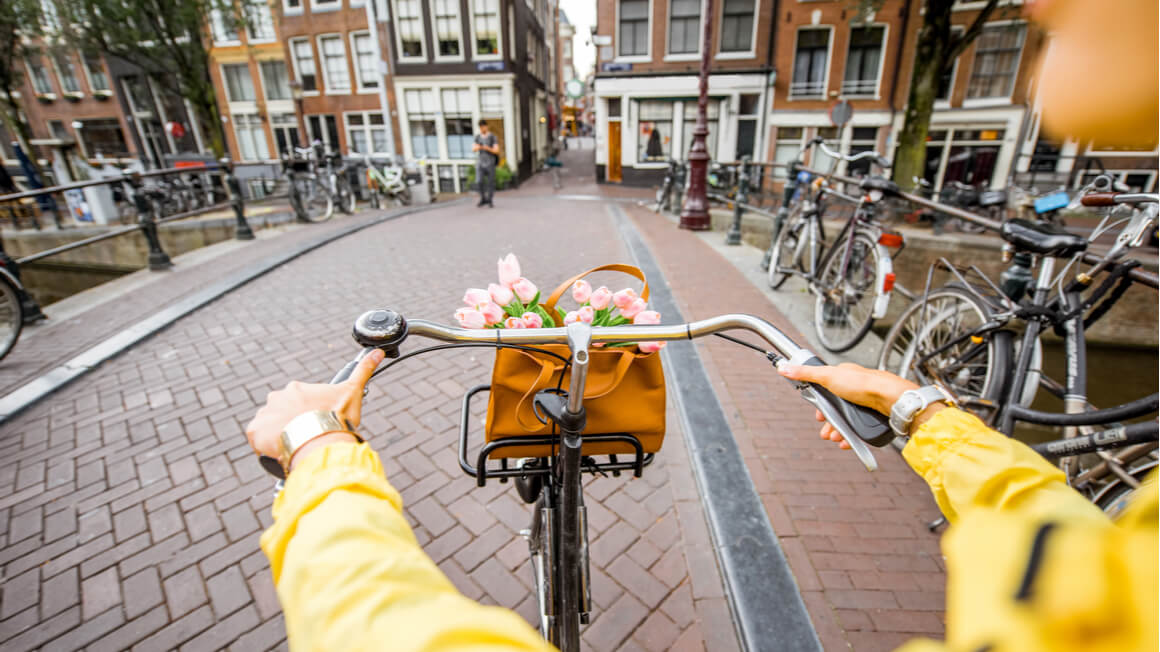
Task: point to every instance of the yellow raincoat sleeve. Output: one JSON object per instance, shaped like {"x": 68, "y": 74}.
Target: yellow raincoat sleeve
{"x": 1031, "y": 564}
{"x": 351, "y": 576}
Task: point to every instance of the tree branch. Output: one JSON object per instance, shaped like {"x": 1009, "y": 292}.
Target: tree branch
{"x": 960, "y": 44}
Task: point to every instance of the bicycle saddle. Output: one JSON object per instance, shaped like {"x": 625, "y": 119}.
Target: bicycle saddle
{"x": 881, "y": 184}
{"x": 1042, "y": 238}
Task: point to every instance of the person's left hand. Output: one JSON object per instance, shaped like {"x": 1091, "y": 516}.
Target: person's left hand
{"x": 345, "y": 399}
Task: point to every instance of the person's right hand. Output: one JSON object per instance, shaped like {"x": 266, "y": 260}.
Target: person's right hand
{"x": 873, "y": 388}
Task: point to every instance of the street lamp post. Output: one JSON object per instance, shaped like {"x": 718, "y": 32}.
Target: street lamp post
{"x": 695, "y": 212}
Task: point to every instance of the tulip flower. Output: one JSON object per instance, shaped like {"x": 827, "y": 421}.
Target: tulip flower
{"x": 470, "y": 318}
{"x": 524, "y": 289}
{"x": 492, "y": 313}
{"x": 571, "y": 317}
{"x": 532, "y": 320}
{"x": 509, "y": 270}
{"x": 586, "y": 314}
{"x": 650, "y": 347}
{"x": 475, "y": 296}
{"x": 501, "y": 294}
{"x": 513, "y": 322}
{"x": 633, "y": 308}
{"x": 581, "y": 291}
{"x": 600, "y": 298}
{"x": 624, "y": 297}
{"x": 647, "y": 317}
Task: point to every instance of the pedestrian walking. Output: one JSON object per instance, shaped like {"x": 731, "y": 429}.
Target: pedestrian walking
{"x": 486, "y": 150}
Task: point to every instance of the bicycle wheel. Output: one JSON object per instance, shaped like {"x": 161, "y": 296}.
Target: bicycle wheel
{"x": 405, "y": 196}
{"x": 786, "y": 251}
{"x": 968, "y": 369}
{"x": 11, "y": 316}
{"x": 346, "y": 197}
{"x": 662, "y": 195}
{"x": 844, "y": 309}
{"x": 317, "y": 202}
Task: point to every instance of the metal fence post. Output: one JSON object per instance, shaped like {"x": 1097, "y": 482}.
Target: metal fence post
{"x": 29, "y": 306}
{"x": 158, "y": 259}
{"x": 733, "y": 237}
{"x": 242, "y": 231}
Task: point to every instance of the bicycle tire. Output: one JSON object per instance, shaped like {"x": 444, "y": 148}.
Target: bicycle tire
{"x": 11, "y": 316}
{"x": 785, "y": 252}
{"x": 838, "y": 325}
{"x": 662, "y": 196}
{"x": 1117, "y": 495}
{"x": 949, "y": 310}
{"x": 405, "y": 196}
{"x": 317, "y": 201}
{"x": 347, "y": 200}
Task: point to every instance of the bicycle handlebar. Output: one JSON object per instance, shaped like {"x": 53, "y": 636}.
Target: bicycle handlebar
{"x": 857, "y": 424}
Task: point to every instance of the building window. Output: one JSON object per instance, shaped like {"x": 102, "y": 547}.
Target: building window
{"x": 365, "y": 133}
{"x": 446, "y": 14}
{"x": 737, "y": 26}
{"x": 58, "y": 130}
{"x": 275, "y": 80}
{"x": 66, "y": 70}
{"x": 684, "y": 26}
{"x": 862, "y": 139}
{"x": 786, "y": 147}
{"x": 748, "y": 111}
{"x": 690, "y": 122}
{"x": 421, "y": 112}
{"x": 98, "y": 80}
{"x": 457, "y": 121}
{"x": 567, "y": 49}
{"x": 304, "y": 64}
{"x": 259, "y": 22}
{"x": 486, "y": 27}
{"x": 491, "y": 101}
{"x": 972, "y": 156}
{"x": 336, "y": 75}
{"x": 366, "y": 67}
{"x": 292, "y": 6}
{"x": 409, "y": 22}
{"x": 103, "y": 138}
{"x": 633, "y": 28}
{"x": 285, "y": 127}
{"x": 39, "y": 76}
{"x": 946, "y": 81}
{"x": 862, "y": 61}
{"x": 818, "y": 159}
{"x": 239, "y": 84}
{"x": 323, "y": 128}
{"x": 222, "y": 26}
{"x": 996, "y": 61}
{"x": 809, "y": 66}
{"x": 654, "y": 142}
{"x": 325, "y": 5}
{"x": 251, "y": 137}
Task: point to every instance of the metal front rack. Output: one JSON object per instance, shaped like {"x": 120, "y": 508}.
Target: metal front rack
{"x": 481, "y": 472}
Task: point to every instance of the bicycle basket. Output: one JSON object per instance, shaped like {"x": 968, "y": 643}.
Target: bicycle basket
{"x": 625, "y": 392}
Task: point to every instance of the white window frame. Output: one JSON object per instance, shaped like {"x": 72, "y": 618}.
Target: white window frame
{"x": 313, "y": 62}
{"x": 366, "y": 128}
{"x": 324, "y": 6}
{"x": 877, "y": 95}
{"x": 345, "y": 61}
{"x": 405, "y": 117}
{"x": 829, "y": 64}
{"x": 51, "y": 89}
{"x": 221, "y": 17}
{"x": 399, "y": 35}
{"x": 683, "y": 56}
{"x": 498, "y": 56}
{"x": 435, "y": 34}
{"x": 946, "y": 104}
{"x": 261, "y": 124}
{"x": 633, "y": 58}
{"x": 250, "y": 38}
{"x": 971, "y": 102}
{"x": 89, "y": 77}
{"x": 358, "y": 72}
{"x": 287, "y": 10}
{"x": 752, "y": 52}
{"x": 262, "y": 80}
{"x": 60, "y": 78}
{"x": 226, "y": 83}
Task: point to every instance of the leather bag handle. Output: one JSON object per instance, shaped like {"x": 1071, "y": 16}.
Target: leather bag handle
{"x": 548, "y": 369}
{"x": 550, "y": 305}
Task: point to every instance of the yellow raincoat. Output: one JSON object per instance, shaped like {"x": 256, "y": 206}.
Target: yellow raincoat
{"x": 1032, "y": 565}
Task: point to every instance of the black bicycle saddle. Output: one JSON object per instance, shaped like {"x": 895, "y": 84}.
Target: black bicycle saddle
{"x": 1042, "y": 238}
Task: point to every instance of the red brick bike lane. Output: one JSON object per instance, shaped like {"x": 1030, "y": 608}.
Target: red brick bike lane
{"x": 870, "y": 573}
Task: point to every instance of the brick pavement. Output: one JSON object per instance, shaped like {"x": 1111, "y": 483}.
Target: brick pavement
{"x": 871, "y": 575}
{"x": 131, "y": 506}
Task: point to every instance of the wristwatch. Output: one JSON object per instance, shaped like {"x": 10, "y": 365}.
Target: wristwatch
{"x": 912, "y": 403}
{"x": 308, "y": 426}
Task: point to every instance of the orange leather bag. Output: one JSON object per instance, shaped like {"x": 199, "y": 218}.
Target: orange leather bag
{"x": 624, "y": 393}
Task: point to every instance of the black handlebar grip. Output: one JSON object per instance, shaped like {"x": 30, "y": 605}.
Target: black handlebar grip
{"x": 870, "y": 425}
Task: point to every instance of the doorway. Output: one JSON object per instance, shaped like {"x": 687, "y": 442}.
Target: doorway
{"x": 614, "y": 151}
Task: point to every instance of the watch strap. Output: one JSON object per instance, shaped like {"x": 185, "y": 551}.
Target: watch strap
{"x": 306, "y": 427}
{"x": 912, "y": 403}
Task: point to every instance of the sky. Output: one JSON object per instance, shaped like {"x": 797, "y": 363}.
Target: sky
{"x": 582, "y": 15}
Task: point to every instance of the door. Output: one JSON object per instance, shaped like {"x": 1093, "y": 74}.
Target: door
{"x": 614, "y": 151}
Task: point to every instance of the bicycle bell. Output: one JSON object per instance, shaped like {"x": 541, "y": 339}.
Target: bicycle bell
{"x": 380, "y": 329}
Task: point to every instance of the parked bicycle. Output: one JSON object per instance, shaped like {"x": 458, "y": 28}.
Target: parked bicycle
{"x": 673, "y": 188}
{"x": 310, "y": 194}
{"x": 336, "y": 175}
{"x": 980, "y": 340}
{"x": 557, "y": 536}
{"x": 387, "y": 184}
{"x": 853, "y": 277}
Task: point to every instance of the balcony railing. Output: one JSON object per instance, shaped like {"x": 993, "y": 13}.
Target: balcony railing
{"x": 810, "y": 88}
{"x": 859, "y": 87}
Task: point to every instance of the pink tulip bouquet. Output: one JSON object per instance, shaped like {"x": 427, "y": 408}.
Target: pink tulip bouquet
{"x": 514, "y": 302}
